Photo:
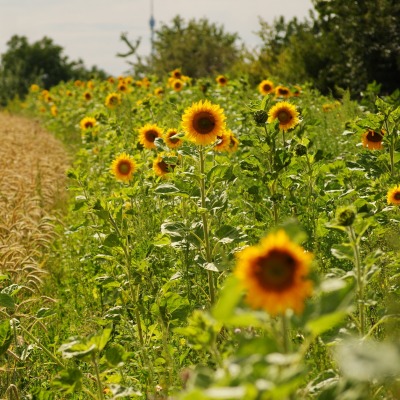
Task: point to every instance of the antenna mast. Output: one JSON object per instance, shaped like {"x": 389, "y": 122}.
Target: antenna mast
{"x": 152, "y": 23}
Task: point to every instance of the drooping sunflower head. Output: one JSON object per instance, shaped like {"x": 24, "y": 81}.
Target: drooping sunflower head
{"x": 113, "y": 100}
{"x": 266, "y": 87}
{"x": 171, "y": 140}
{"x": 274, "y": 274}
{"x": 87, "y": 123}
{"x": 148, "y": 134}
{"x": 286, "y": 114}
{"x": 87, "y": 95}
{"x": 123, "y": 167}
{"x": 282, "y": 91}
{"x": 203, "y": 122}
{"x": 221, "y": 80}
{"x": 233, "y": 143}
{"x": 372, "y": 140}
{"x": 223, "y": 142}
{"x": 161, "y": 167}
{"x": 393, "y": 196}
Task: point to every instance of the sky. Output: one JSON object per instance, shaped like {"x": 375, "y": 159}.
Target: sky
{"x": 90, "y": 29}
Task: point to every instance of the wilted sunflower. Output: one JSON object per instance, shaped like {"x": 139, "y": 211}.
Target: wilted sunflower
{"x": 233, "y": 143}
{"x": 393, "y": 196}
{"x": 160, "y": 167}
{"x": 87, "y": 123}
{"x": 203, "y": 122}
{"x": 286, "y": 113}
{"x": 113, "y": 100}
{"x": 372, "y": 140}
{"x": 266, "y": 87}
{"x": 87, "y": 95}
{"x": 223, "y": 142}
{"x": 221, "y": 80}
{"x": 282, "y": 91}
{"x": 274, "y": 274}
{"x": 123, "y": 167}
{"x": 171, "y": 141}
{"x": 148, "y": 134}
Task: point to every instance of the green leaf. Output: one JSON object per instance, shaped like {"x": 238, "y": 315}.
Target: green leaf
{"x": 77, "y": 349}
{"x": 7, "y": 301}
{"x": 68, "y": 381}
{"x": 169, "y": 189}
{"x": 45, "y": 312}
{"x": 121, "y": 391}
{"x": 100, "y": 339}
{"x": 116, "y": 354}
{"x": 112, "y": 240}
{"x": 5, "y": 336}
{"x": 229, "y": 234}
{"x": 229, "y": 298}
{"x": 325, "y": 322}
{"x": 343, "y": 251}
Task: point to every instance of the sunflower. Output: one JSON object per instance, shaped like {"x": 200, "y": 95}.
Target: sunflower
{"x": 113, "y": 100}
{"x": 177, "y": 85}
{"x": 176, "y": 74}
{"x": 223, "y": 142}
{"x": 286, "y": 113}
{"x": 296, "y": 90}
{"x": 34, "y": 88}
{"x": 111, "y": 79}
{"x": 90, "y": 84}
{"x": 273, "y": 274}
{"x": 148, "y": 134}
{"x": 87, "y": 123}
{"x": 372, "y": 140}
{"x": 68, "y": 93}
{"x": 159, "y": 91}
{"x": 123, "y": 167}
{"x": 393, "y": 196}
{"x": 233, "y": 143}
{"x": 122, "y": 87}
{"x": 87, "y": 95}
{"x": 221, "y": 80}
{"x": 160, "y": 167}
{"x": 203, "y": 122}
{"x": 282, "y": 91}
{"x": 54, "y": 110}
{"x": 266, "y": 87}
{"x": 171, "y": 141}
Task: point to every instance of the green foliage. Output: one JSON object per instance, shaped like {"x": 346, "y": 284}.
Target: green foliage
{"x": 41, "y": 62}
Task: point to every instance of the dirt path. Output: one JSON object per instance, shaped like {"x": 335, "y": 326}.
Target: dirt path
{"x": 32, "y": 189}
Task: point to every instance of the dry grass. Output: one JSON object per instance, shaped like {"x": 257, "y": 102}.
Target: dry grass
{"x": 32, "y": 189}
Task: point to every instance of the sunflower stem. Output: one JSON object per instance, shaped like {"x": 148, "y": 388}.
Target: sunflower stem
{"x": 97, "y": 371}
{"x": 207, "y": 247}
{"x": 360, "y": 279}
{"x": 285, "y": 333}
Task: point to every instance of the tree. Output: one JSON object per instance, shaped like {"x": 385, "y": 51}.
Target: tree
{"x": 41, "y": 62}
{"x": 200, "y": 48}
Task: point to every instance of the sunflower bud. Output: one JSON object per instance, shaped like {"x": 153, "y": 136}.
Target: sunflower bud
{"x": 260, "y": 117}
{"x": 300, "y": 150}
{"x": 345, "y": 215}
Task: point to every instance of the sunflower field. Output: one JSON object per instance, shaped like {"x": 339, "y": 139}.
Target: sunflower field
{"x": 220, "y": 241}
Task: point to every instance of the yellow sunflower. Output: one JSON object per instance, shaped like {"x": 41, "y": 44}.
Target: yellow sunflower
{"x": 159, "y": 91}
{"x": 111, "y": 79}
{"x": 34, "y": 88}
{"x": 122, "y": 86}
{"x": 223, "y": 142}
{"x": 90, "y": 85}
{"x": 160, "y": 167}
{"x": 282, "y": 91}
{"x": 148, "y": 134}
{"x": 54, "y": 110}
{"x": 177, "y": 85}
{"x": 87, "y": 95}
{"x": 221, "y": 80}
{"x": 203, "y": 122}
{"x": 113, "y": 100}
{"x": 171, "y": 141}
{"x": 274, "y": 274}
{"x": 266, "y": 87}
{"x": 296, "y": 90}
{"x": 176, "y": 73}
{"x": 123, "y": 167}
{"x": 372, "y": 140}
{"x": 286, "y": 113}
{"x": 393, "y": 196}
{"x": 87, "y": 123}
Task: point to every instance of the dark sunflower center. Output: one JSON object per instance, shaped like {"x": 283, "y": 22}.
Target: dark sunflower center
{"x": 283, "y": 92}
{"x": 276, "y": 270}
{"x": 373, "y": 136}
{"x": 151, "y": 136}
{"x": 88, "y": 124}
{"x": 222, "y": 80}
{"x": 124, "y": 167}
{"x": 177, "y": 75}
{"x": 203, "y": 122}
{"x": 88, "y": 96}
{"x": 122, "y": 88}
{"x": 397, "y": 196}
{"x": 165, "y": 167}
{"x": 113, "y": 100}
{"x": 284, "y": 117}
{"x": 267, "y": 87}
{"x": 177, "y": 85}
{"x": 173, "y": 139}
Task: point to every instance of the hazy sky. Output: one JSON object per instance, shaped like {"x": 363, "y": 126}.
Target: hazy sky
{"x": 90, "y": 29}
